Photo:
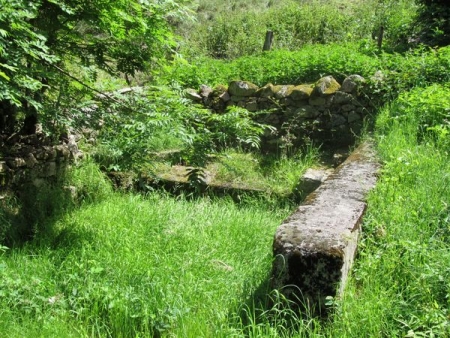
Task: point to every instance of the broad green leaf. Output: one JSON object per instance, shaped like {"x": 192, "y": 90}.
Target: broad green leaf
{"x": 3, "y": 75}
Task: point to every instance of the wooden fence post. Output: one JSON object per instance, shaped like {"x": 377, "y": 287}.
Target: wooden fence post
{"x": 380, "y": 37}
{"x": 268, "y": 40}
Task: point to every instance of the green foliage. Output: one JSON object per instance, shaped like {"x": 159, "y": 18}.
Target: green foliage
{"x": 20, "y": 47}
{"x": 434, "y": 23}
{"x": 225, "y": 30}
{"x": 128, "y": 138}
{"x": 133, "y": 125}
{"x": 425, "y": 110}
{"x": 279, "y": 66}
{"x": 39, "y": 40}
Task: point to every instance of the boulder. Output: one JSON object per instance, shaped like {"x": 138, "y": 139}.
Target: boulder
{"x": 205, "y": 91}
{"x": 266, "y": 91}
{"x": 193, "y": 95}
{"x": 307, "y": 112}
{"x": 283, "y": 91}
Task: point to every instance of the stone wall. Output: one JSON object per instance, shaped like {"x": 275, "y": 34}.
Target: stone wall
{"x": 32, "y": 159}
{"x": 325, "y": 111}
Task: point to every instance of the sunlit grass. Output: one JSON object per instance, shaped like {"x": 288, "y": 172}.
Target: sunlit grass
{"x": 400, "y": 284}
{"x": 133, "y": 265}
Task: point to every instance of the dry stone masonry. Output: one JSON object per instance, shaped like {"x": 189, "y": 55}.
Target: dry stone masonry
{"x": 324, "y": 111}
{"x": 32, "y": 159}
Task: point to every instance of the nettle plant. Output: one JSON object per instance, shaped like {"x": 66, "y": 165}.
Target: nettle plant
{"x": 427, "y": 108}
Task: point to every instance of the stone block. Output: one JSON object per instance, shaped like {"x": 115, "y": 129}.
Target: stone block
{"x": 341, "y": 98}
{"x": 314, "y": 248}
{"x": 16, "y": 162}
{"x": 48, "y": 170}
{"x": 308, "y": 112}
{"x": 192, "y": 94}
{"x": 251, "y": 105}
{"x": 337, "y": 120}
{"x": 353, "y": 116}
{"x": 30, "y": 160}
{"x": 266, "y": 91}
{"x": 317, "y": 101}
{"x": 3, "y": 167}
{"x": 325, "y": 86}
{"x": 283, "y": 91}
{"x": 205, "y": 91}
{"x": 312, "y": 179}
{"x": 242, "y": 88}
{"x": 301, "y": 92}
{"x": 236, "y": 98}
{"x": 352, "y": 84}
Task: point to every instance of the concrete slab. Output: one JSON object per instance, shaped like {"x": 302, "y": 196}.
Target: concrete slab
{"x": 314, "y": 248}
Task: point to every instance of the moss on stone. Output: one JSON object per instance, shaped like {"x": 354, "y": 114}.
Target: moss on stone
{"x": 327, "y": 85}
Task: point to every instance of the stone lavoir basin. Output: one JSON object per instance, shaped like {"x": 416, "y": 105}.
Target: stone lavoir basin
{"x": 314, "y": 248}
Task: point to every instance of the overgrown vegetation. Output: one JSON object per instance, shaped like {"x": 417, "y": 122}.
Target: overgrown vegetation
{"x": 406, "y": 229}
{"x": 80, "y": 260}
{"x": 234, "y": 29}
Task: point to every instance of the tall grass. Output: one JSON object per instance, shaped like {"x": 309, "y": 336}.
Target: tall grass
{"x": 400, "y": 284}
{"x": 131, "y": 266}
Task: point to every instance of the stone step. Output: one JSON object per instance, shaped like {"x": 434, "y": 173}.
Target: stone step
{"x": 314, "y": 248}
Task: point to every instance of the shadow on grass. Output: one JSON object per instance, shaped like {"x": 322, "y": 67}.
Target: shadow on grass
{"x": 268, "y": 310}
{"x": 31, "y": 210}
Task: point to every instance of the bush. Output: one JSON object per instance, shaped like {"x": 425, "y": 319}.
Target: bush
{"x": 426, "y": 111}
{"x": 434, "y": 21}
{"x": 230, "y": 33}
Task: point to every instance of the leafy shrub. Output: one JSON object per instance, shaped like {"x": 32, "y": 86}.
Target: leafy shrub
{"x": 130, "y": 135}
{"x": 278, "y": 66}
{"x": 434, "y": 22}
{"x": 231, "y": 33}
{"x": 426, "y": 111}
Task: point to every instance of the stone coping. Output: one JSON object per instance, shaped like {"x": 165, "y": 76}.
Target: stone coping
{"x": 314, "y": 248}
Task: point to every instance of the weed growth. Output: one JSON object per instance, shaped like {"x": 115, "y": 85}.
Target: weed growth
{"x": 406, "y": 229}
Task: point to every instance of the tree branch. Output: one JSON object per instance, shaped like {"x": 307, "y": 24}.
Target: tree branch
{"x": 101, "y": 95}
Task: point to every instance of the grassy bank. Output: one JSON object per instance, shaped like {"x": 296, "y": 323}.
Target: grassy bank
{"x": 400, "y": 286}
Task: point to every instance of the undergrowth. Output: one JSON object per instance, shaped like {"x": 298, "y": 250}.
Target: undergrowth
{"x": 406, "y": 229}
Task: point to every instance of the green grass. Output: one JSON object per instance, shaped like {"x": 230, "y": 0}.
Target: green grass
{"x": 400, "y": 286}
{"x": 132, "y": 266}
{"x": 231, "y": 29}
{"x": 278, "y": 174}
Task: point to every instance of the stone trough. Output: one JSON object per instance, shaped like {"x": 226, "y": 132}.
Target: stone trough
{"x": 314, "y": 248}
